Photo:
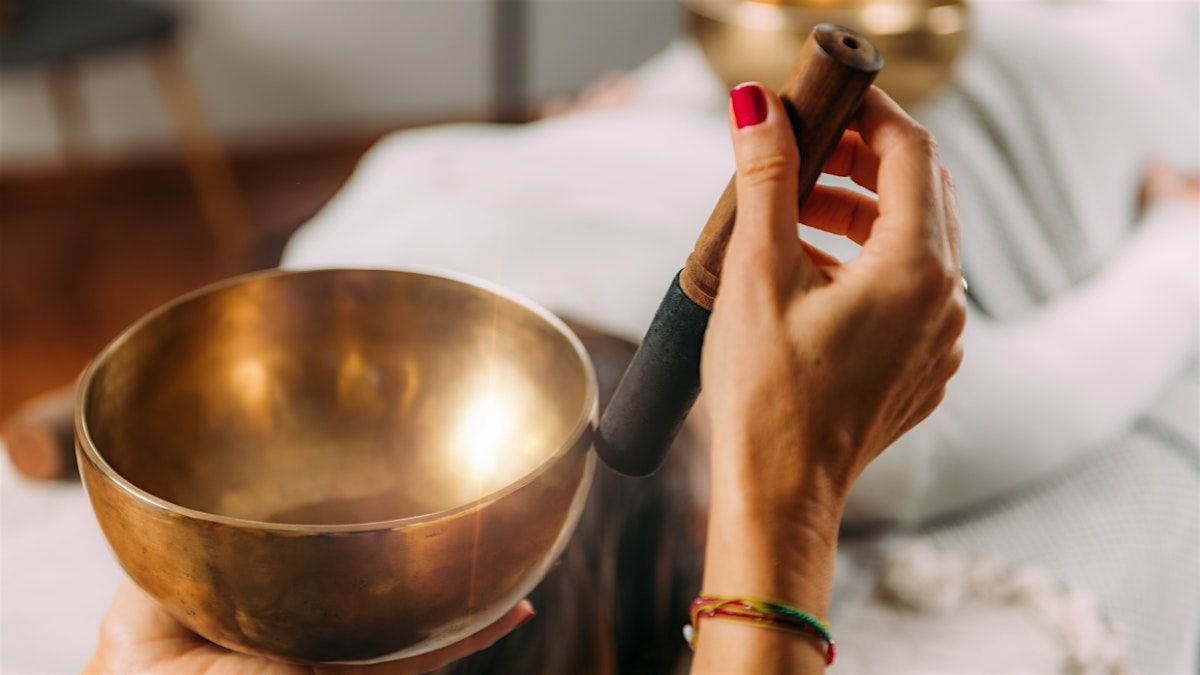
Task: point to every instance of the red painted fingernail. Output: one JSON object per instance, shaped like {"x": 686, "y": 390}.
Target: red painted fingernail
{"x": 749, "y": 105}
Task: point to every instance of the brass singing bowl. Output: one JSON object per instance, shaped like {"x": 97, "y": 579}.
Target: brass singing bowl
{"x": 759, "y": 39}
{"x": 339, "y": 465}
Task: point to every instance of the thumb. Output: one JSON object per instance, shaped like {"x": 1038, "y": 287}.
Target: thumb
{"x": 764, "y": 232}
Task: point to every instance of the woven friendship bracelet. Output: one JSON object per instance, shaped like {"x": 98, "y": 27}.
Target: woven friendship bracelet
{"x": 758, "y": 612}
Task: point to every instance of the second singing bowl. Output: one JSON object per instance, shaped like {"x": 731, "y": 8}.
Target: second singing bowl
{"x": 759, "y": 39}
{"x": 339, "y": 465}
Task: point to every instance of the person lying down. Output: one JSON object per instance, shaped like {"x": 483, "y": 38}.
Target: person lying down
{"x": 1065, "y": 453}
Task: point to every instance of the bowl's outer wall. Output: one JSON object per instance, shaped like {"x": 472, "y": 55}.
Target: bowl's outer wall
{"x": 348, "y": 596}
{"x": 917, "y": 61}
{"x": 168, "y": 432}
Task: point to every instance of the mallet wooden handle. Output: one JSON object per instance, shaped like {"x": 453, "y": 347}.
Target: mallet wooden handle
{"x": 832, "y": 74}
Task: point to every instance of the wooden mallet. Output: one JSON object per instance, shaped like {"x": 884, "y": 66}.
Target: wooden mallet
{"x": 831, "y": 76}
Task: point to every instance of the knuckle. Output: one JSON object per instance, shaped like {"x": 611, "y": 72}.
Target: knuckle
{"x": 752, "y": 261}
{"x": 929, "y": 403}
{"x": 930, "y": 284}
{"x": 922, "y": 140}
{"x": 958, "y": 314}
{"x": 947, "y": 177}
{"x": 772, "y": 168}
{"x": 752, "y": 258}
{"x": 938, "y": 396}
{"x": 949, "y": 188}
{"x": 956, "y": 317}
{"x": 754, "y": 277}
{"x": 954, "y": 360}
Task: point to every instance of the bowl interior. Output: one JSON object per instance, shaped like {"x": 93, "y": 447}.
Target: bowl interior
{"x": 336, "y": 396}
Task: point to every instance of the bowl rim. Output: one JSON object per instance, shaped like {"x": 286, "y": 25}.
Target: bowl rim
{"x": 581, "y": 432}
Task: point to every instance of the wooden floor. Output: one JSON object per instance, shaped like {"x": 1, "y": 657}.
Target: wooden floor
{"x": 83, "y": 254}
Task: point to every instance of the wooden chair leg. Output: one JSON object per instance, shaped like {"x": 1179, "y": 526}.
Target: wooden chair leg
{"x": 211, "y": 174}
{"x": 67, "y": 99}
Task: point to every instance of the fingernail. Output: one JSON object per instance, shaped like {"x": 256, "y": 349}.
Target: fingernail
{"x": 749, "y": 105}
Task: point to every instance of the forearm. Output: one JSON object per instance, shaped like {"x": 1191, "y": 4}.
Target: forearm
{"x": 752, "y": 552}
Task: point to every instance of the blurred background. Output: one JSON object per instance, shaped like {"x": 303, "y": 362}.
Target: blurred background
{"x": 274, "y": 100}
{"x": 149, "y": 147}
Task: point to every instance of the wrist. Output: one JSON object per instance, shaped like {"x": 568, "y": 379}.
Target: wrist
{"x": 780, "y": 546}
{"x": 752, "y": 554}
{"x": 782, "y": 482}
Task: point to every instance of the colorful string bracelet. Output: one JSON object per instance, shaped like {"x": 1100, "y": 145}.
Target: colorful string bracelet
{"x": 759, "y": 612}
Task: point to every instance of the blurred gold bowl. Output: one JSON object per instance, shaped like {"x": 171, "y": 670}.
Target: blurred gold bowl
{"x": 759, "y": 40}
{"x": 339, "y": 465}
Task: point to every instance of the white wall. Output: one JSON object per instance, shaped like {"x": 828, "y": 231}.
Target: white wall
{"x": 281, "y": 67}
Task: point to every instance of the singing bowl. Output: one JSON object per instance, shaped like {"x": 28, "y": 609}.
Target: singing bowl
{"x": 759, "y": 40}
{"x": 339, "y": 465}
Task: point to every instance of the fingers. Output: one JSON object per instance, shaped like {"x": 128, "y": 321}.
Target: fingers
{"x": 915, "y": 187}
{"x": 909, "y": 179}
{"x": 767, "y": 191}
{"x": 888, "y": 152}
{"x": 852, "y": 158}
{"x": 424, "y": 663}
{"x": 134, "y": 616}
{"x": 840, "y": 211}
